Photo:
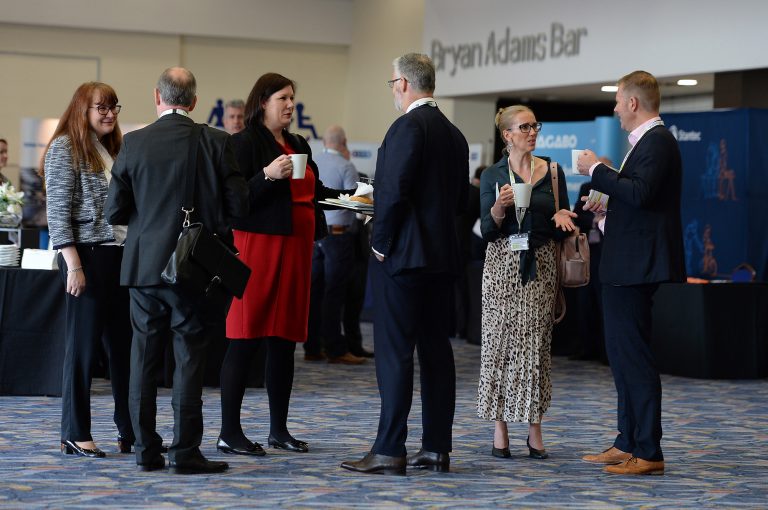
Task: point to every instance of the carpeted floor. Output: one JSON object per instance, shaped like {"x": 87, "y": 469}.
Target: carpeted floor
{"x": 716, "y": 436}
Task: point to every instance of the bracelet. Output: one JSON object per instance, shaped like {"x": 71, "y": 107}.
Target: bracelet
{"x": 497, "y": 217}
{"x": 266, "y": 177}
{"x": 74, "y": 270}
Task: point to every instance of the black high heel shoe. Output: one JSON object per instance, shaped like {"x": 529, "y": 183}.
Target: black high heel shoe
{"x": 501, "y": 453}
{"x": 253, "y": 449}
{"x": 533, "y": 452}
{"x": 292, "y": 445}
{"x": 71, "y": 448}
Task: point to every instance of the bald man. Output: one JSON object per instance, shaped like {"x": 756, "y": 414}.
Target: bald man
{"x": 333, "y": 258}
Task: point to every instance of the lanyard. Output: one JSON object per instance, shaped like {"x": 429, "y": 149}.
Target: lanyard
{"x": 651, "y": 126}
{"x": 512, "y": 176}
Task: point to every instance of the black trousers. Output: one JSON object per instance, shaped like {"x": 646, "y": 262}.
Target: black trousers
{"x": 638, "y": 385}
{"x": 411, "y": 311}
{"x": 99, "y": 316}
{"x": 157, "y": 314}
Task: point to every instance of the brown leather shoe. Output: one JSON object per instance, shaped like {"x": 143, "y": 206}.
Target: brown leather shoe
{"x": 433, "y": 461}
{"x": 347, "y": 359}
{"x": 314, "y": 357}
{"x": 377, "y": 464}
{"x": 635, "y": 466}
{"x": 610, "y": 456}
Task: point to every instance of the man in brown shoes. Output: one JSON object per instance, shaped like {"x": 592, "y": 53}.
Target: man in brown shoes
{"x": 644, "y": 197}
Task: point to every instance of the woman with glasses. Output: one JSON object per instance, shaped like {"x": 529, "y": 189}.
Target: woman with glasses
{"x": 519, "y": 283}
{"x": 76, "y": 167}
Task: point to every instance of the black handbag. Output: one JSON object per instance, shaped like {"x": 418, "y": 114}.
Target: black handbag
{"x": 201, "y": 261}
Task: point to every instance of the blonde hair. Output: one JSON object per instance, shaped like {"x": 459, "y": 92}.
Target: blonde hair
{"x": 644, "y": 86}
{"x": 505, "y": 116}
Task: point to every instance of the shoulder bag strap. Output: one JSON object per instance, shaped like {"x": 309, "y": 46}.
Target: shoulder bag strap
{"x": 191, "y": 173}
{"x": 555, "y": 184}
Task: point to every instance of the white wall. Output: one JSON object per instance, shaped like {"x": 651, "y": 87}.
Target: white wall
{"x": 615, "y": 37}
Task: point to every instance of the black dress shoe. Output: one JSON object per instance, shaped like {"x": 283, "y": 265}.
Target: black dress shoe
{"x": 361, "y": 353}
{"x": 377, "y": 464}
{"x": 153, "y": 465}
{"x": 252, "y": 449}
{"x": 433, "y": 461}
{"x": 70, "y": 448}
{"x": 534, "y": 453}
{"x": 197, "y": 466}
{"x": 125, "y": 447}
{"x": 292, "y": 445}
{"x": 502, "y": 453}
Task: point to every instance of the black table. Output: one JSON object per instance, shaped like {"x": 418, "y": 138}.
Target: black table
{"x": 32, "y": 319}
{"x": 31, "y": 332}
{"x": 712, "y": 331}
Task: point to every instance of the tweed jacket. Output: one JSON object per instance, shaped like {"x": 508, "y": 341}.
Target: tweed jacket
{"x": 75, "y": 199}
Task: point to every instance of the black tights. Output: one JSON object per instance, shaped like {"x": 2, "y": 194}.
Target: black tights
{"x": 279, "y": 380}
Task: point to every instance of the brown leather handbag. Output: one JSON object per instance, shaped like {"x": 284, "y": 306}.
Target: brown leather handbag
{"x": 572, "y": 254}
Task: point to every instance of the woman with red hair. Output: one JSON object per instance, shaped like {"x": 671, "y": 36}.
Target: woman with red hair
{"x": 76, "y": 167}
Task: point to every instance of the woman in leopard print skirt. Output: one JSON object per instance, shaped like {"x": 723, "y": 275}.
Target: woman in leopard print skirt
{"x": 518, "y": 284}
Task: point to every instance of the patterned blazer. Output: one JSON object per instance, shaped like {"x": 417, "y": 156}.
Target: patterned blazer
{"x": 75, "y": 199}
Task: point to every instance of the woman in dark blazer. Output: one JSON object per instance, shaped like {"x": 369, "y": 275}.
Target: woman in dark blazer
{"x": 77, "y": 169}
{"x": 275, "y": 240}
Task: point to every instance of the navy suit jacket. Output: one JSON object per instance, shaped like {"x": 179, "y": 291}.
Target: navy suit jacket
{"x": 422, "y": 172}
{"x": 643, "y": 240}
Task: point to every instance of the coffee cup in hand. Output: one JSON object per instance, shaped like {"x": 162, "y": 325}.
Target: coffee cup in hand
{"x": 299, "y": 162}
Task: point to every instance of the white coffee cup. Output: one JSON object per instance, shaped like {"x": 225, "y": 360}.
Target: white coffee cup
{"x": 522, "y": 191}
{"x": 575, "y": 153}
{"x": 299, "y": 162}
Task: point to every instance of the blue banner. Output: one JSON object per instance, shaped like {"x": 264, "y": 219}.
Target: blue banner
{"x": 725, "y": 183}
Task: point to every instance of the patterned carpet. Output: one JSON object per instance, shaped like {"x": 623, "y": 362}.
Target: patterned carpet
{"x": 715, "y": 443}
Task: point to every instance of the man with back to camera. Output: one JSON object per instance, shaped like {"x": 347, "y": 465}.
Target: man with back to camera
{"x": 146, "y": 193}
{"x": 234, "y": 116}
{"x": 421, "y": 175}
{"x": 642, "y": 247}
{"x": 332, "y": 258}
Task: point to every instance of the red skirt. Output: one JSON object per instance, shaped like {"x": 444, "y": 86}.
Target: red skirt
{"x": 276, "y": 300}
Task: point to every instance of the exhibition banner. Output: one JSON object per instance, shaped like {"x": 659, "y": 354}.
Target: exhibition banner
{"x": 725, "y": 189}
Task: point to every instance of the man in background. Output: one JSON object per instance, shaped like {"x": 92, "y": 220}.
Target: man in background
{"x": 234, "y": 116}
{"x": 332, "y": 258}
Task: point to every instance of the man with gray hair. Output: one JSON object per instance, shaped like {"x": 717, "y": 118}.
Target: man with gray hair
{"x": 234, "y": 116}
{"x": 421, "y": 186}
{"x": 146, "y": 193}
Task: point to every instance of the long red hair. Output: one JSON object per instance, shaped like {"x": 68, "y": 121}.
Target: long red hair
{"x": 74, "y": 123}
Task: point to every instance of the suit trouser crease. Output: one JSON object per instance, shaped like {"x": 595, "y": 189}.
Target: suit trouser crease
{"x": 410, "y": 313}
{"x": 158, "y": 313}
{"x": 638, "y": 384}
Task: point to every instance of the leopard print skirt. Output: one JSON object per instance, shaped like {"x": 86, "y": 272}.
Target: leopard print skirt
{"x": 515, "y": 361}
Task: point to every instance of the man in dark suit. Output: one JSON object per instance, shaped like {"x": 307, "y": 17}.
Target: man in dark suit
{"x": 421, "y": 174}
{"x": 146, "y": 193}
{"x": 642, "y": 247}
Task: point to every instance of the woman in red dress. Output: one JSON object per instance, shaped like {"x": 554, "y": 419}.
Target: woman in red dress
{"x": 276, "y": 242}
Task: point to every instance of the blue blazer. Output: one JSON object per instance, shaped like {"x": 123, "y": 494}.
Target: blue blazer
{"x": 422, "y": 173}
{"x": 643, "y": 240}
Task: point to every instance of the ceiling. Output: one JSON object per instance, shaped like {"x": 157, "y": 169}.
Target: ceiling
{"x": 592, "y": 92}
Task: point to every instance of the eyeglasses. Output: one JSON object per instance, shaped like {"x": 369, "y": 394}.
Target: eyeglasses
{"x": 391, "y": 83}
{"x": 104, "y": 109}
{"x": 526, "y": 128}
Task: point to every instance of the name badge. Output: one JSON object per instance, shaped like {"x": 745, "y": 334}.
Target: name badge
{"x": 518, "y": 242}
